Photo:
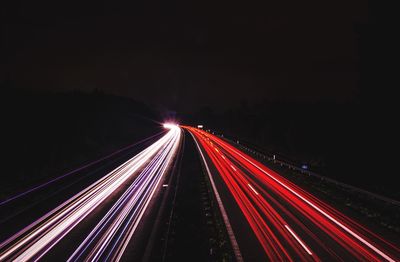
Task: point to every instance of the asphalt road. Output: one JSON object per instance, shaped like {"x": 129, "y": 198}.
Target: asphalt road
{"x": 32, "y": 204}
{"x": 220, "y": 204}
{"x": 100, "y": 221}
{"x": 273, "y": 219}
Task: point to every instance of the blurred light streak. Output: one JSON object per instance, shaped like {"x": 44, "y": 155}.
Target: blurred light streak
{"x": 36, "y": 239}
{"x": 114, "y": 231}
{"x": 72, "y": 172}
{"x": 298, "y": 240}
{"x": 264, "y": 212}
{"x": 252, "y": 188}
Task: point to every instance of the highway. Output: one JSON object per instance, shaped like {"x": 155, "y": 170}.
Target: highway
{"x": 267, "y": 217}
{"x": 109, "y": 238}
{"x": 272, "y": 219}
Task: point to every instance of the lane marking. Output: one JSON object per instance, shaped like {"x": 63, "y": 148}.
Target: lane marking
{"x": 355, "y": 235}
{"x": 232, "y": 238}
{"x": 252, "y": 188}
{"x": 299, "y": 240}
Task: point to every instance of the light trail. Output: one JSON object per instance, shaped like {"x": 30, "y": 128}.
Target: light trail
{"x": 245, "y": 198}
{"x": 73, "y": 172}
{"x": 298, "y": 240}
{"x": 114, "y": 231}
{"x": 35, "y": 240}
{"x": 252, "y": 188}
{"x": 269, "y": 202}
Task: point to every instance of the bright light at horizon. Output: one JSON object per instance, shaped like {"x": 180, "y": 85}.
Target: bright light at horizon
{"x": 170, "y": 125}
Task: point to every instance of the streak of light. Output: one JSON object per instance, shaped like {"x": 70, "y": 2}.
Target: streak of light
{"x": 252, "y": 188}
{"x": 36, "y": 239}
{"x": 109, "y": 239}
{"x": 298, "y": 240}
{"x": 73, "y": 172}
{"x": 268, "y": 201}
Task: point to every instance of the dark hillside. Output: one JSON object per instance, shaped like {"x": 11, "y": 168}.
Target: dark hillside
{"x": 46, "y": 134}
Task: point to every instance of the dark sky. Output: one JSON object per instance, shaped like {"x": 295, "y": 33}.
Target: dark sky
{"x": 186, "y": 54}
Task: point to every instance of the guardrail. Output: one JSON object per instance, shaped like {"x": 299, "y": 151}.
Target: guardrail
{"x": 274, "y": 159}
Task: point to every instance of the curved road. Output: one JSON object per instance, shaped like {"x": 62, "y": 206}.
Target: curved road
{"x": 110, "y": 236}
{"x": 273, "y": 219}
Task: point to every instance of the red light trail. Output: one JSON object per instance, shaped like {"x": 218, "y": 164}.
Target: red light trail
{"x": 289, "y": 223}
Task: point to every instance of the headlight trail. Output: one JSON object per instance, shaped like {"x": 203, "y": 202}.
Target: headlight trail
{"x": 109, "y": 238}
{"x": 290, "y": 223}
{"x": 72, "y": 172}
{"x": 35, "y": 240}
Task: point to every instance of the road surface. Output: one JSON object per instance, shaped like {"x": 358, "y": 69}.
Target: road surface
{"x": 273, "y": 219}
{"x": 140, "y": 177}
{"x": 266, "y": 216}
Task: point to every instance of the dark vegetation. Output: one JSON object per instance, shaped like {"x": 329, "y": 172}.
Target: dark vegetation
{"x": 46, "y": 134}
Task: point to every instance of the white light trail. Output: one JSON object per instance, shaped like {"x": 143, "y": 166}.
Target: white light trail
{"x": 252, "y": 188}
{"x": 299, "y": 240}
{"x": 170, "y": 126}
{"x": 35, "y": 240}
{"x": 114, "y": 231}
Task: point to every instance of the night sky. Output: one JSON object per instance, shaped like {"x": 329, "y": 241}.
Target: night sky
{"x": 184, "y": 55}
